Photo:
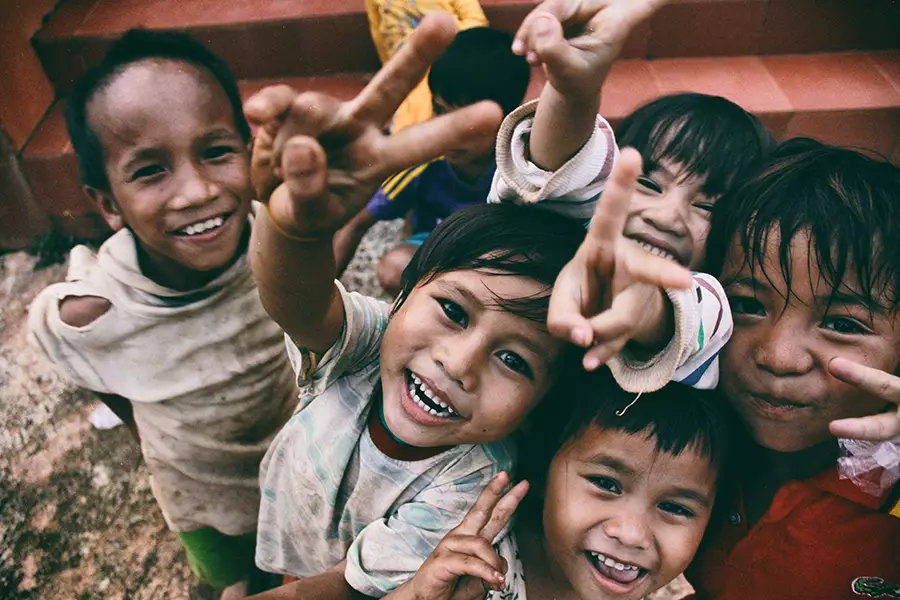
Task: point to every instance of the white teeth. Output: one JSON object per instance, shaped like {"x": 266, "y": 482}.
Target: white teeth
{"x": 419, "y": 388}
{"x": 656, "y": 251}
{"x": 197, "y": 228}
{"x": 609, "y": 562}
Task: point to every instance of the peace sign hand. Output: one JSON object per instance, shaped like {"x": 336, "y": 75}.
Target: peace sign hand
{"x": 325, "y": 158}
{"x": 464, "y": 566}
{"x": 882, "y": 427}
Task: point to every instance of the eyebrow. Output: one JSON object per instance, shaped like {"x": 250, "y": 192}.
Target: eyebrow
{"x": 466, "y": 293}
{"x": 689, "y": 494}
{"x": 140, "y": 155}
{"x": 604, "y": 460}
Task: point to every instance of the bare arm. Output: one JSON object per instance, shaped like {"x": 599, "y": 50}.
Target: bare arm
{"x": 347, "y": 240}
{"x": 330, "y": 585}
{"x": 562, "y": 125}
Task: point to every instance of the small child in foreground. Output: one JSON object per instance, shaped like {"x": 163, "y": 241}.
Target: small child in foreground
{"x": 478, "y": 65}
{"x": 621, "y": 508}
{"x": 404, "y": 410}
{"x": 166, "y": 318}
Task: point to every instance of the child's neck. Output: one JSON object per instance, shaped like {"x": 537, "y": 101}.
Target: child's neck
{"x": 770, "y": 470}
{"x": 543, "y": 579}
{"x": 388, "y": 444}
{"x": 175, "y": 276}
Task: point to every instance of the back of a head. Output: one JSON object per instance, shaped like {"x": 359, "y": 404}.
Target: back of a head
{"x": 705, "y": 135}
{"x": 848, "y": 202}
{"x": 479, "y": 65}
{"x": 135, "y": 46}
{"x": 526, "y": 241}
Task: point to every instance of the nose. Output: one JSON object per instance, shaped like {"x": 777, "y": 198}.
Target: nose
{"x": 780, "y": 349}
{"x": 460, "y": 356}
{"x": 630, "y": 527}
{"x": 669, "y": 213}
{"x": 195, "y": 188}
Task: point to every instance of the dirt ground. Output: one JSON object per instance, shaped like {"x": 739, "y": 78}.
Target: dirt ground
{"x": 77, "y": 519}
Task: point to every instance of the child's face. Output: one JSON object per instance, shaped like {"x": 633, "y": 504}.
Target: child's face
{"x": 457, "y": 369}
{"x": 775, "y": 368}
{"x": 670, "y": 214}
{"x": 177, "y": 167}
{"x": 621, "y": 518}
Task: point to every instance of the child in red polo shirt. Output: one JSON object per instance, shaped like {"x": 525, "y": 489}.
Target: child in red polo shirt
{"x": 809, "y": 256}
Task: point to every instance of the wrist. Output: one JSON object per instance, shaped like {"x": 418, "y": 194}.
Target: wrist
{"x": 658, "y": 326}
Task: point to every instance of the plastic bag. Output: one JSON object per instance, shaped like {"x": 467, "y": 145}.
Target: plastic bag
{"x": 873, "y": 466}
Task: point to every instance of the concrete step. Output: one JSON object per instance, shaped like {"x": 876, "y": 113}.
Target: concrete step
{"x": 850, "y": 98}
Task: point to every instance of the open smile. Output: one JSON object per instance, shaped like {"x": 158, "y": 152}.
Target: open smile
{"x": 655, "y": 246}
{"x": 613, "y": 575}
{"x": 204, "y": 230}
{"x": 424, "y": 403}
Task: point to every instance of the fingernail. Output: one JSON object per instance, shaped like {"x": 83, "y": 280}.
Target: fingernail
{"x": 591, "y": 363}
{"x": 518, "y": 46}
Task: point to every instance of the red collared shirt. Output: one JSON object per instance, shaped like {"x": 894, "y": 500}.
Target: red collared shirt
{"x": 821, "y": 539}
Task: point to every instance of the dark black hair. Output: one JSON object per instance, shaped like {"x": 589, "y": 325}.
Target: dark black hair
{"x": 137, "y": 45}
{"x": 848, "y": 202}
{"x": 707, "y": 135}
{"x": 479, "y": 65}
{"x": 499, "y": 238}
{"x": 677, "y": 418}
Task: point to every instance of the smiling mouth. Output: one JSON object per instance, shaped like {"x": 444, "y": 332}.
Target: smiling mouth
{"x": 620, "y": 573}
{"x": 655, "y": 250}
{"x": 203, "y": 227}
{"x": 427, "y": 399}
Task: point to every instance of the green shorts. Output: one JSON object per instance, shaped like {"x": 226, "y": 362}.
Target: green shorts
{"x": 218, "y": 559}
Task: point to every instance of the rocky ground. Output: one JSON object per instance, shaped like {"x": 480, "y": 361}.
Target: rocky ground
{"x": 77, "y": 519}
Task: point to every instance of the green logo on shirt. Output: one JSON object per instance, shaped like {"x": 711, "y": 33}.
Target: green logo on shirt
{"x": 875, "y": 587}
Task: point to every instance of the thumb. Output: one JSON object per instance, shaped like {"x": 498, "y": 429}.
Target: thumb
{"x": 549, "y": 43}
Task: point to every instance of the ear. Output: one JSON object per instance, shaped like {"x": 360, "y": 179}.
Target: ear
{"x": 107, "y": 206}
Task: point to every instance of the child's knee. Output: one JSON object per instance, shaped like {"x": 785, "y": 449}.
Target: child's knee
{"x": 391, "y": 266}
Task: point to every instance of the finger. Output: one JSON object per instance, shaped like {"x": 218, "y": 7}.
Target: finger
{"x": 869, "y": 380}
{"x": 565, "y": 318}
{"x": 480, "y": 512}
{"x": 643, "y": 267}
{"x": 503, "y": 511}
{"x": 558, "y": 10}
{"x": 268, "y": 106}
{"x": 884, "y": 427}
{"x": 303, "y": 165}
{"x": 612, "y": 210}
{"x": 454, "y": 566}
{"x": 428, "y": 140}
{"x": 551, "y": 47}
{"x": 473, "y": 546}
{"x": 403, "y": 72}
{"x": 601, "y": 353}
{"x": 308, "y": 115}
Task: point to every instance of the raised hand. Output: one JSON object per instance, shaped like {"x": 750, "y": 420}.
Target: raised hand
{"x": 611, "y": 291}
{"x": 464, "y": 566}
{"x": 332, "y": 155}
{"x": 881, "y": 427}
{"x": 576, "y": 41}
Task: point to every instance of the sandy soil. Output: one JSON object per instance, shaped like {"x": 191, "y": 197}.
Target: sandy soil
{"x": 77, "y": 519}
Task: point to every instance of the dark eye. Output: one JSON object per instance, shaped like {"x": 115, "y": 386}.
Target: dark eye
{"x": 705, "y": 206}
{"x": 746, "y": 305}
{"x": 515, "y": 362}
{"x": 649, "y": 185}
{"x": 844, "y": 325}
{"x": 607, "y": 484}
{"x": 673, "y": 508}
{"x": 215, "y": 152}
{"x": 454, "y": 312}
{"x": 146, "y": 172}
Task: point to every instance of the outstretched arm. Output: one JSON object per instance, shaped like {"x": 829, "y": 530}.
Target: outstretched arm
{"x": 330, "y": 156}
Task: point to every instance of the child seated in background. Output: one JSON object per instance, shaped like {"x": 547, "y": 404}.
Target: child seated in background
{"x": 478, "y": 65}
{"x": 166, "y": 316}
{"x": 391, "y": 22}
{"x": 621, "y": 496}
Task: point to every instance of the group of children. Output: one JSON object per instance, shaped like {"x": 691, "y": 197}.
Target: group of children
{"x": 361, "y": 449}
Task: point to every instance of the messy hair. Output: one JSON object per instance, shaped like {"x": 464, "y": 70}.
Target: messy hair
{"x": 479, "y": 65}
{"x": 708, "y": 136}
{"x": 135, "y": 46}
{"x": 848, "y": 203}
{"x": 503, "y": 239}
